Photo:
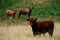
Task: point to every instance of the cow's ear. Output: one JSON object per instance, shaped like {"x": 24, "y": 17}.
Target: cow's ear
{"x": 35, "y": 19}
{"x": 27, "y": 19}
{"x": 32, "y": 7}
{"x": 15, "y": 9}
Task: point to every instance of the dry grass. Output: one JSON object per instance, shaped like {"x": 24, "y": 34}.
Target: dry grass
{"x": 24, "y": 32}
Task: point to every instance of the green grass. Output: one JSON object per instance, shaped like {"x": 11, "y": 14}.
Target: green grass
{"x": 42, "y": 11}
{"x": 5, "y": 3}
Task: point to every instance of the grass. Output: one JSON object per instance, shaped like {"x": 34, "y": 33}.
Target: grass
{"x": 24, "y": 32}
{"x": 42, "y": 10}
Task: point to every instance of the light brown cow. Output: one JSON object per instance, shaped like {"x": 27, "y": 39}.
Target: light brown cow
{"x": 10, "y": 13}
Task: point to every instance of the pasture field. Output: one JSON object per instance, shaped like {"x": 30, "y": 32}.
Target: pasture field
{"x": 19, "y": 29}
{"x": 24, "y": 32}
{"x": 43, "y": 9}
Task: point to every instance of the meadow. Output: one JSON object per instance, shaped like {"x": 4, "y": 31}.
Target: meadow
{"x": 43, "y": 10}
{"x": 19, "y": 29}
{"x": 24, "y": 32}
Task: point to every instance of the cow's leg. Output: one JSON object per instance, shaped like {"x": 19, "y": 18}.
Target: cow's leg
{"x": 13, "y": 15}
{"x": 34, "y": 32}
{"x": 29, "y": 15}
{"x": 50, "y": 32}
{"x": 43, "y": 34}
{"x": 7, "y": 15}
{"x": 44, "y": 31}
{"x": 19, "y": 15}
{"x": 39, "y": 33}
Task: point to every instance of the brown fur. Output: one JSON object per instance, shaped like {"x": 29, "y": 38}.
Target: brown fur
{"x": 41, "y": 27}
{"x": 11, "y": 13}
{"x": 25, "y": 12}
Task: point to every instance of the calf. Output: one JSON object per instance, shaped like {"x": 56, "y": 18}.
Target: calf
{"x": 10, "y": 13}
{"x": 25, "y": 11}
{"x": 41, "y": 27}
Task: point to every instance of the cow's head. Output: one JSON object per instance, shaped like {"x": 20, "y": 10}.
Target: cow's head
{"x": 32, "y": 21}
{"x": 30, "y": 8}
{"x": 15, "y": 10}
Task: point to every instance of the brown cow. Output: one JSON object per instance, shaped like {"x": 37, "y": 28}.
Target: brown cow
{"x": 41, "y": 27}
{"x": 11, "y": 13}
{"x": 25, "y": 11}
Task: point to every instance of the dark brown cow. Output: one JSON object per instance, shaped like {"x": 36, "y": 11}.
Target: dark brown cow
{"x": 25, "y": 12}
{"x": 11, "y": 13}
{"x": 41, "y": 27}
